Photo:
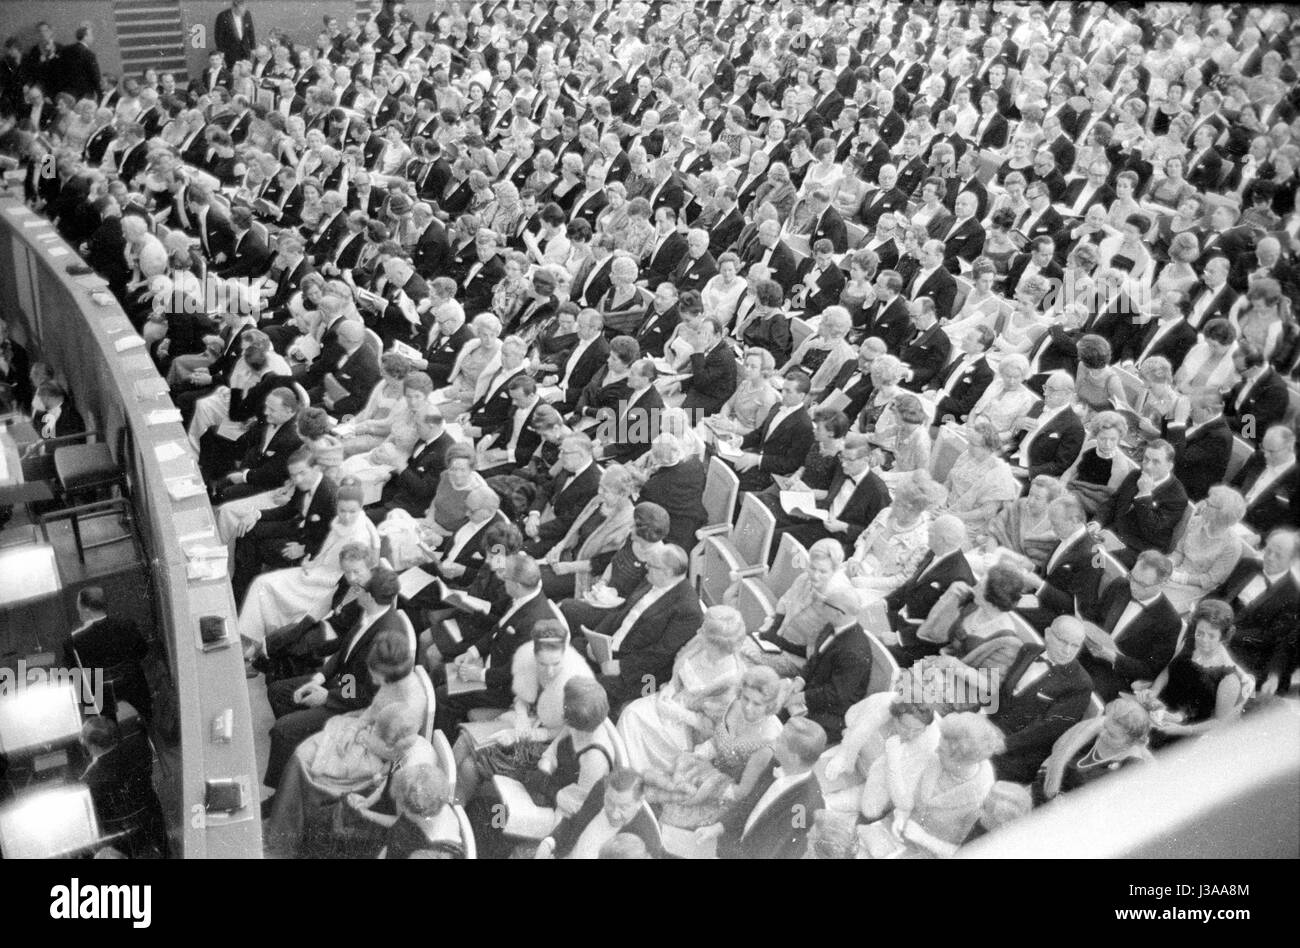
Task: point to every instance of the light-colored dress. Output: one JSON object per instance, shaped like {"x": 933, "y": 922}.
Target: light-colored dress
{"x": 1202, "y": 561}
{"x": 693, "y": 793}
{"x": 889, "y": 554}
{"x": 370, "y": 426}
{"x": 285, "y": 595}
{"x": 660, "y": 726}
{"x": 1003, "y": 408}
{"x": 947, "y": 808}
{"x": 1017, "y": 529}
{"x": 863, "y": 782}
{"x": 719, "y": 300}
{"x": 749, "y": 404}
{"x": 972, "y": 484}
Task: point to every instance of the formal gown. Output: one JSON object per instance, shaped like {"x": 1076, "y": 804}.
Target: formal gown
{"x": 285, "y": 595}
{"x": 657, "y": 728}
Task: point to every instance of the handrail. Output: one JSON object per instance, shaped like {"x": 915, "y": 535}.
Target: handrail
{"x": 78, "y": 334}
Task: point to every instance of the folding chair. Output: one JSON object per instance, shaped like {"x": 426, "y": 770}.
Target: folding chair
{"x": 783, "y": 572}
{"x": 1241, "y": 453}
{"x": 800, "y": 329}
{"x": 948, "y": 447}
{"x": 884, "y": 669}
{"x": 743, "y": 552}
{"x": 755, "y": 603}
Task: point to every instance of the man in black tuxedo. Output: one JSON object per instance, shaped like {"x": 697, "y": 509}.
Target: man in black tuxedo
{"x": 1053, "y": 432}
{"x": 855, "y": 495}
{"x": 412, "y": 488}
{"x": 838, "y": 672}
{"x": 1268, "y": 482}
{"x": 1039, "y": 261}
{"x": 620, "y": 799}
{"x": 1260, "y": 400}
{"x": 650, "y": 628}
{"x": 1212, "y": 297}
{"x": 960, "y": 383}
{"x": 356, "y": 373}
{"x": 234, "y": 33}
{"x": 1044, "y": 693}
{"x": 1266, "y": 599}
{"x": 697, "y": 266}
{"x": 827, "y": 223}
{"x": 763, "y": 824}
{"x": 588, "y": 357}
{"x": 250, "y": 257}
{"x": 113, "y": 645}
{"x": 659, "y": 322}
{"x": 933, "y": 281}
{"x": 889, "y": 317}
{"x": 1204, "y": 447}
{"x": 669, "y": 249}
{"x": 78, "y": 66}
{"x": 1083, "y": 193}
{"x": 379, "y": 642}
{"x": 820, "y": 280}
{"x": 925, "y": 351}
{"x": 713, "y": 371}
{"x": 287, "y": 534}
{"x": 1072, "y": 573}
{"x": 263, "y": 451}
{"x": 772, "y": 252}
{"x": 449, "y": 334}
{"x": 910, "y": 603}
{"x": 554, "y": 512}
{"x": 968, "y": 182}
{"x": 964, "y": 239}
{"x": 886, "y": 199}
{"x": 1147, "y": 506}
{"x": 1169, "y": 335}
{"x": 854, "y": 381}
{"x": 487, "y": 658}
{"x": 779, "y": 444}
{"x": 1140, "y": 627}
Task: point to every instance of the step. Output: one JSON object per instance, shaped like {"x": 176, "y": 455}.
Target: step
{"x": 143, "y": 6}
{"x": 149, "y": 23}
{"x": 150, "y": 32}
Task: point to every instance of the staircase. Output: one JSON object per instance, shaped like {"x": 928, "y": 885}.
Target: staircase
{"x": 151, "y": 36}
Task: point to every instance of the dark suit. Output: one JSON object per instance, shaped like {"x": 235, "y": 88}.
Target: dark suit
{"x": 643, "y": 825}
{"x": 781, "y": 449}
{"x": 837, "y": 677}
{"x": 1146, "y": 643}
{"x": 918, "y": 595}
{"x": 266, "y": 468}
{"x": 1033, "y": 719}
{"x": 570, "y": 495}
{"x": 249, "y": 257}
{"x": 235, "y": 47}
{"x": 775, "y": 833}
{"x": 1070, "y": 585}
{"x": 442, "y": 352}
{"x": 926, "y": 353}
{"x": 692, "y": 274}
{"x": 782, "y": 262}
{"x": 359, "y": 375}
{"x": 1055, "y": 447}
{"x": 260, "y": 549}
{"x": 1276, "y": 505}
{"x": 347, "y": 681}
{"x": 646, "y": 653}
{"x": 969, "y": 380}
{"x": 712, "y": 381}
{"x": 1174, "y": 343}
{"x": 679, "y": 489}
{"x": 1264, "y": 406}
{"x": 655, "y": 330}
{"x": 868, "y": 498}
{"x": 1265, "y": 642}
{"x": 1146, "y": 522}
{"x": 635, "y": 426}
{"x": 1202, "y": 456}
{"x": 412, "y": 488}
{"x": 878, "y": 203}
{"x": 496, "y": 647}
{"x": 965, "y": 243}
{"x": 890, "y": 322}
{"x": 116, "y": 646}
{"x": 939, "y": 286}
{"x": 829, "y": 283}
{"x": 594, "y": 358}
{"x": 663, "y": 261}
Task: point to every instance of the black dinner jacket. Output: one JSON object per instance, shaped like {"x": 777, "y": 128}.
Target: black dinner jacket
{"x": 940, "y": 287}
{"x": 656, "y": 637}
{"x": 359, "y": 375}
{"x": 567, "y": 499}
{"x": 712, "y": 381}
{"x": 829, "y": 284}
{"x": 1054, "y": 448}
{"x": 311, "y": 526}
{"x": 347, "y": 678}
{"x": 1146, "y": 522}
{"x": 1201, "y": 459}
{"x": 412, "y": 488}
{"x": 1072, "y": 582}
{"x": 869, "y": 497}
{"x": 635, "y": 426}
{"x": 920, "y": 592}
{"x": 774, "y": 835}
{"x": 927, "y": 354}
{"x": 1174, "y": 345}
{"x": 1265, "y": 405}
{"x": 1265, "y": 641}
{"x": 1033, "y": 720}
{"x": 644, "y": 826}
{"x": 837, "y": 678}
{"x": 693, "y": 274}
{"x": 1276, "y": 506}
{"x": 655, "y": 330}
{"x": 782, "y": 448}
{"x": 592, "y": 360}
{"x": 890, "y": 322}
{"x": 966, "y": 391}
{"x": 663, "y": 262}
{"x": 441, "y": 355}
{"x": 268, "y": 469}
{"x": 1146, "y": 644}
